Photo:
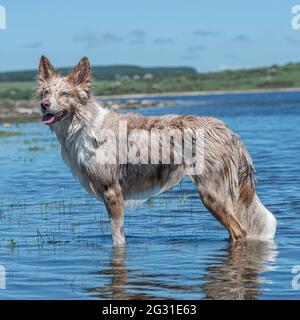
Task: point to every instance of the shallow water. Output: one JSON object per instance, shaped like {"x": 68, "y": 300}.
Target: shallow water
{"x": 55, "y": 238}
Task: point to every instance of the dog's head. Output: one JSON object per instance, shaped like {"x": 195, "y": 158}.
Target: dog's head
{"x": 62, "y": 96}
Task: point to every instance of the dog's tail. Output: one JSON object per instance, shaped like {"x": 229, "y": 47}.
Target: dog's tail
{"x": 259, "y": 222}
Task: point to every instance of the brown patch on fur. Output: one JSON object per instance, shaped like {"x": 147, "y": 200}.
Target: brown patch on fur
{"x": 246, "y": 180}
{"x": 81, "y": 75}
{"x": 222, "y": 214}
{"x": 113, "y": 199}
{"x": 46, "y": 70}
{"x": 237, "y": 232}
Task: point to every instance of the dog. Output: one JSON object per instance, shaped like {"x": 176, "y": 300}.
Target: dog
{"x": 225, "y": 183}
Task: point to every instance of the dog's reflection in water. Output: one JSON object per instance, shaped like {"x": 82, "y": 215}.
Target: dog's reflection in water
{"x": 235, "y": 274}
{"x": 122, "y": 279}
{"x": 119, "y": 277}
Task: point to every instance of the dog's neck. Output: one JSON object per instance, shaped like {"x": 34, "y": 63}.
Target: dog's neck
{"x": 84, "y": 122}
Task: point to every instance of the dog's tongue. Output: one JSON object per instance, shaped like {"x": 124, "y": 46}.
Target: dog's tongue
{"x": 48, "y": 119}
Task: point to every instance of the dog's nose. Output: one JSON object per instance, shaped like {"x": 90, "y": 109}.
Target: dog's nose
{"x": 45, "y": 106}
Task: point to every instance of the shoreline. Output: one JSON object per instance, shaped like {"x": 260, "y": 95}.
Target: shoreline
{"x": 19, "y": 111}
{"x": 195, "y": 93}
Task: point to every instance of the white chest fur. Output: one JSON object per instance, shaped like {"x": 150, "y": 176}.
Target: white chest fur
{"x": 76, "y": 139}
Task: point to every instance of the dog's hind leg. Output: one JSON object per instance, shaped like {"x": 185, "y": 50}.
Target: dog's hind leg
{"x": 114, "y": 202}
{"x": 223, "y": 209}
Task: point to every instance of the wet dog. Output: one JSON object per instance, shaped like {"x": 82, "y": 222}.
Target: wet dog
{"x": 89, "y": 134}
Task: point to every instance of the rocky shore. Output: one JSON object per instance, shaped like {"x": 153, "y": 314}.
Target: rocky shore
{"x": 19, "y": 111}
{"x": 120, "y": 104}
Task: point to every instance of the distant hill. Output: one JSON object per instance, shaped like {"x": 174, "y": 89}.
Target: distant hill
{"x": 106, "y": 72}
{"x": 21, "y": 85}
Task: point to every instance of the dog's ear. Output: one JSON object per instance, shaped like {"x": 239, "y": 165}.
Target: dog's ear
{"x": 46, "y": 70}
{"x": 81, "y": 75}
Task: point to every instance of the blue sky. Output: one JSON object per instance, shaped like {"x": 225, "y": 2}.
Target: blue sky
{"x": 208, "y": 35}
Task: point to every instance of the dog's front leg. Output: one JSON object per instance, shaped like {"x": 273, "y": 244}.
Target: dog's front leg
{"x": 114, "y": 202}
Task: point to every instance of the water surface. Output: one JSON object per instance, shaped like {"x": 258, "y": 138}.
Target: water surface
{"x": 55, "y": 239}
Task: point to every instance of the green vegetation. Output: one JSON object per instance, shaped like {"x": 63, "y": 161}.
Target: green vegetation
{"x": 105, "y": 72}
{"x": 11, "y": 243}
{"x": 262, "y": 78}
{"x": 17, "y": 90}
{"x": 169, "y": 80}
{"x": 36, "y": 149}
{"x": 6, "y": 134}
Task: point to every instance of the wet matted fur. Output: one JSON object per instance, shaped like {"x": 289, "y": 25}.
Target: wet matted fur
{"x": 226, "y": 183}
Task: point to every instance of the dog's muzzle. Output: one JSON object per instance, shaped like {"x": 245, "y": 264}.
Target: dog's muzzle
{"x": 52, "y": 118}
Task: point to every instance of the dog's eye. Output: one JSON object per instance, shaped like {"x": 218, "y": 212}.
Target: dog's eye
{"x": 64, "y": 94}
{"x": 45, "y": 93}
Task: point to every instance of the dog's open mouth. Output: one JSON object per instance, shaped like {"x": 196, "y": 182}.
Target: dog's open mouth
{"x": 50, "y": 118}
